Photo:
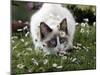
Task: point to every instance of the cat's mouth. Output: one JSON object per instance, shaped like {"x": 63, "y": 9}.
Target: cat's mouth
{"x": 65, "y": 51}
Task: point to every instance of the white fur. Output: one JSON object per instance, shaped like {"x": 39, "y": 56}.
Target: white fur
{"x": 52, "y": 15}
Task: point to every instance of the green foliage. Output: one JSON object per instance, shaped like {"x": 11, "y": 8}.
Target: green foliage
{"x": 27, "y": 60}
{"x": 81, "y": 12}
{"x": 21, "y": 12}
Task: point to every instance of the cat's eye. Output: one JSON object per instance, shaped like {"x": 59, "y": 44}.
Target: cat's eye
{"x": 52, "y": 43}
{"x": 62, "y": 40}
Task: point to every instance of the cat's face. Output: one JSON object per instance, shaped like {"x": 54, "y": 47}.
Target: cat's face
{"x": 55, "y": 40}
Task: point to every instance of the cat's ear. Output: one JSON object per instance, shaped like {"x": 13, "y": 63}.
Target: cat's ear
{"x": 44, "y": 30}
{"x": 63, "y": 25}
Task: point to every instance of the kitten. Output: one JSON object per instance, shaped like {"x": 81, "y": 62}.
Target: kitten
{"x": 52, "y": 29}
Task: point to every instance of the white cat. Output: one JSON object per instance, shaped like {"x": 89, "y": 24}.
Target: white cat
{"x": 52, "y": 29}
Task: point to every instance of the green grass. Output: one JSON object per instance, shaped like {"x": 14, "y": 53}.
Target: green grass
{"x": 83, "y": 57}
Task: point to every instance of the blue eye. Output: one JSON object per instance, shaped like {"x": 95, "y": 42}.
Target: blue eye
{"x": 52, "y": 43}
{"x": 62, "y": 40}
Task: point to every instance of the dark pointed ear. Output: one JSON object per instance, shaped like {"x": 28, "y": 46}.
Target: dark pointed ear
{"x": 44, "y": 30}
{"x": 63, "y": 25}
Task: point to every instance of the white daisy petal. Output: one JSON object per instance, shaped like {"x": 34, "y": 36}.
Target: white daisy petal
{"x": 54, "y": 65}
{"x": 20, "y": 66}
{"x": 22, "y": 40}
{"x": 26, "y": 43}
{"x": 19, "y": 30}
{"x": 35, "y": 61}
{"x": 45, "y": 61}
{"x": 27, "y": 34}
{"x": 19, "y": 21}
{"x": 59, "y": 67}
{"x": 29, "y": 49}
{"x": 74, "y": 59}
{"x": 14, "y": 37}
{"x": 64, "y": 57}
